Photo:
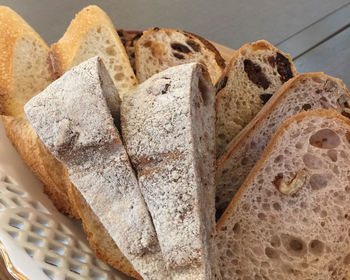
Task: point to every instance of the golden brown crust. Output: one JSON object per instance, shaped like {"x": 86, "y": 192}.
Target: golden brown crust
{"x": 321, "y": 113}
{"x": 219, "y": 59}
{"x": 89, "y": 221}
{"x": 12, "y": 28}
{"x": 43, "y": 164}
{"x": 64, "y": 51}
{"x": 274, "y": 101}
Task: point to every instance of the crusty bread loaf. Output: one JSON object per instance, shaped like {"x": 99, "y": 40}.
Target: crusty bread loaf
{"x": 304, "y": 92}
{"x": 92, "y": 33}
{"x": 256, "y": 71}
{"x": 161, "y": 48}
{"x": 86, "y": 140}
{"x": 129, "y": 39}
{"x": 24, "y": 72}
{"x": 290, "y": 218}
{"x": 168, "y": 126}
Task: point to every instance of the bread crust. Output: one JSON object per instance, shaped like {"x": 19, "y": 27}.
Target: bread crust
{"x": 64, "y": 52}
{"x": 274, "y": 101}
{"x": 12, "y": 28}
{"x": 322, "y": 113}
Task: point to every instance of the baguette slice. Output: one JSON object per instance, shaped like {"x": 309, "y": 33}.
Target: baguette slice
{"x": 304, "y": 92}
{"x": 91, "y": 33}
{"x": 129, "y": 39}
{"x": 168, "y": 126}
{"x": 24, "y": 72}
{"x": 256, "y": 71}
{"x": 290, "y": 218}
{"x": 161, "y": 48}
{"x": 85, "y": 139}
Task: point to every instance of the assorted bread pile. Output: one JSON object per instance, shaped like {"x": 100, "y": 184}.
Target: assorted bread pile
{"x": 150, "y": 139}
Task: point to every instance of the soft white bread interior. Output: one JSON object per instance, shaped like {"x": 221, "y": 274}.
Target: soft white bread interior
{"x": 305, "y": 92}
{"x": 168, "y": 126}
{"x": 290, "y": 218}
{"x": 256, "y": 71}
{"x": 86, "y": 140}
{"x": 161, "y": 48}
{"x": 91, "y": 33}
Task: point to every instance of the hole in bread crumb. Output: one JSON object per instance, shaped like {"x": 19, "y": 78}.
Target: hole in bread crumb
{"x": 312, "y": 161}
{"x": 332, "y": 155}
{"x": 271, "y": 253}
{"x": 236, "y": 228}
{"x": 325, "y": 139}
{"x": 275, "y": 241}
{"x": 277, "y": 206}
{"x": 347, "y": 136}
{"x": 293, "y": 245}
{"x": 347, "y": 259}
{"x": 262, "y": 216}
{"x": 316, "y": 247}
{"x": 319, "y": 181}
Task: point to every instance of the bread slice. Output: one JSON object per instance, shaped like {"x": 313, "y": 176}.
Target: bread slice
{"x": 161, "y": 48}
{"x": 129, "y": 39}
{"x": 24, "y": 72}
{"x": 304, "y": 92}
{"x": 256, "y": 71}
{"x": 85, "y": 139}
{"x": 168, "y": 126}
{"x": 290, "y": 218}
{"x": 91, "y": 33}
{"x": 23, "y": 60}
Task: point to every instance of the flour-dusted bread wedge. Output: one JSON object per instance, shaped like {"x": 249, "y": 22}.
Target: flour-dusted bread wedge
{"x": 91, "y": 33}
{"x": 168, "y": 126}
{"x": 161, "y": 48}
{"x": 290, "y": 218}
{"x": 86, "y": 140}
{"x": 256, "y": 71}
{"x": 304, "y": 92}
{"x": 24, "y": 72}
{"x": 129, "y": 39}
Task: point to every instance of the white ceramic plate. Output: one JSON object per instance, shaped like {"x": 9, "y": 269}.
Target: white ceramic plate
{"x": 36, "y": 241}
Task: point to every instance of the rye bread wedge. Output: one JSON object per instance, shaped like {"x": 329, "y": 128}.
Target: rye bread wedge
{"x": 256, "y": 71}
{"x": 91, "y": 33}
{"x": 86, "y": 140}
{"x": 161, "y": 48}
{"x": 290, "y": 218}
{"x": 304, "y": 92}
{"x": 168, "y": 126}
{"x": 24, "y": 72}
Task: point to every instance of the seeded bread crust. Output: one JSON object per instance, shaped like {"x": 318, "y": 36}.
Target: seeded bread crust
{"x": 91, "y": 33}
{"x": 24, "y": 72}
{"x": 256, "y": 71}
{"x": 85, "y": 139}
{"x": 168, "y": 127}
{"x": 308, "y": 91}
{"x": 161, "y": 48}
{"x": 268, "y": 234}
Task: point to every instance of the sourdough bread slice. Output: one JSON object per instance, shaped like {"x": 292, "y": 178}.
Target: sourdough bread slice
{"x": 168, "y": 126}
{"x": 129, "y": 39}
{"x": 161, "y": 48}
{"x": 91, "y": 33}
{"x": 85, "y": 139}
{"x": 24, "y": 72}
{"x": 290, "y": 218}
{"x": 256, "y": 71}
{"x": 304, "y": 92}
